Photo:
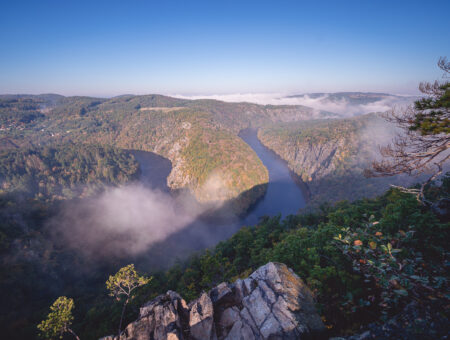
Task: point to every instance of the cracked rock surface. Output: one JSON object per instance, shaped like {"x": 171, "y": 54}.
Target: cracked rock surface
{"x": 272, "y": 303}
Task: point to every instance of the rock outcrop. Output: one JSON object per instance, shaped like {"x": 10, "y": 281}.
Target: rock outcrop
{"x": 330, "y": 155}
{"x": 272, "y": 303}
{"x": 313, "y": 157}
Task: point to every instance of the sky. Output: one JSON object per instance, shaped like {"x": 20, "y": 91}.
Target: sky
{"x": 107, "y": 48}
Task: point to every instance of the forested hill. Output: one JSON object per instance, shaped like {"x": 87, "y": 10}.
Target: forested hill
{"x": 64, "y": 171}
{"x": 198, "y": 136}
{"x": 364, "y": 261}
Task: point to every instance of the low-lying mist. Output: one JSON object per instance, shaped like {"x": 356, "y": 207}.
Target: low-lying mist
{"x": 378, "y": 132}
{"x": 324, "y": 102}
{"x": 122, "y": 221}
{"x": 343, "y": 106}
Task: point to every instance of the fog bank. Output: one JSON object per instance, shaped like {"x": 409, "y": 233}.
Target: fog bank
{"x": 325, "y": 101}
{"x": 122, "y": 221}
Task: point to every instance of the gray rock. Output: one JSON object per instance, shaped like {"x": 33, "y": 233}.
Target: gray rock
{"x": 257, "y": 306}
{"x": 239, "y": 289}
{"x": 235, "y": 332}
{"x": 240, "y": 331}
{"x": 248, "y": 320}
{"x": 221, "y": 294}
{"x": 229, "y": 316}
{"x": 271, "y": 328}
{"x": 272, "y": 303}
{"x": 161, "y": 318}
{"x": 201, "y": 319}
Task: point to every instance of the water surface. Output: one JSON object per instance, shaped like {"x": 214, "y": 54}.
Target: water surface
{"x": 284, "y": 196}
{"x": 154, "y": 170}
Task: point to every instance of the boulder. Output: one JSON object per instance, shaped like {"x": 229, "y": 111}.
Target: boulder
{"x": 272, "y": 303}
{"x": 201, "y": 319}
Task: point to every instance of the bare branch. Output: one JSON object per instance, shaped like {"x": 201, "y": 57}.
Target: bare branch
{"x": 423, "y": 142}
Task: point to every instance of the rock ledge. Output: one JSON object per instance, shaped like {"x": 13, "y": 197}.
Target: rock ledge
{"x": 272, "y": 303}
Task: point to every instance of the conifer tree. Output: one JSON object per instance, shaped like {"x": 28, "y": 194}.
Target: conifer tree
{"x": 122, "y": 284}
{"x": 59, "y": 319}
{"x": 424, "y": 142}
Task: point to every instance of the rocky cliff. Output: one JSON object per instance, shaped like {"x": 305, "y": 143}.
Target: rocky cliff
{"x": 315, "y": 149}
{"x": 331, "y": 155}
{"x": 272, "y": 303}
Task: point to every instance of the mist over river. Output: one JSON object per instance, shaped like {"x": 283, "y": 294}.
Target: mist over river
{"x": 284, "y": 196}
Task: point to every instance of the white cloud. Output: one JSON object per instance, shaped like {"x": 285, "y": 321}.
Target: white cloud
{"x": 342, "y": 106}
{"x": 257, "y": 98}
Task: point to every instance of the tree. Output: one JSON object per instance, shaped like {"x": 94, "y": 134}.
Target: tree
{"x": 424, "y": 141}
{"x": 123, "y": 283}
{"x": 58, "y": 320}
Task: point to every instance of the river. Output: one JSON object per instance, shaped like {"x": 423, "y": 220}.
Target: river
{"x": 284, "y": 196}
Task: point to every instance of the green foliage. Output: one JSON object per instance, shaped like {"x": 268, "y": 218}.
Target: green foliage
{"x": 345, "y": 296}
{"x": 33, "y": 263}
{"x": 64, "y": 171}
{"x": 363, "y": 260}
{"x": 314, "y": 131}
{"x": 125, "y": 281}
{"x": 392, "y": 261}
{"x": 227, "y": 162}
{"x": 58, "y": 320}
{"x": 431, "y": 116}
{"x": 16, "y": 112}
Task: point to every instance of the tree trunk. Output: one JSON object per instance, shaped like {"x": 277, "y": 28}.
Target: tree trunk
{"x": 121, "y": 317}
{"x": 73, "y": 333}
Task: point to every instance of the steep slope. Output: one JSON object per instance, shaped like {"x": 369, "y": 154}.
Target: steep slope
{"x": 330, "y": 155}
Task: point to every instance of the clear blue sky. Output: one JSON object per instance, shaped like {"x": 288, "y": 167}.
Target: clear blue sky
{"x": 204, "y": 47}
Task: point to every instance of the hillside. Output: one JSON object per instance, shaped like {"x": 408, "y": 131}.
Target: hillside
{"x": 330, "y": 155}
{"x": 68, "y": 147}
{"x": 200, "y": 138}
{"x": 65, "y": 171}
{"x": 180, "y": 130}
{"x": 55, "y": 148}
{"x": 341, "y": 253}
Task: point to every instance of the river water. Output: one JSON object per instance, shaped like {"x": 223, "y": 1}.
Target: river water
{"x": 284, "y": 196}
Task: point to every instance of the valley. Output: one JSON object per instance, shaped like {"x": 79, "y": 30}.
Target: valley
{"x": 48, "y": 228}
{"x": 201, "y": 139}
{"x": 92, "y": 183}
{"x": 281, "y": 196}
{"x": 224, "y": 170}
